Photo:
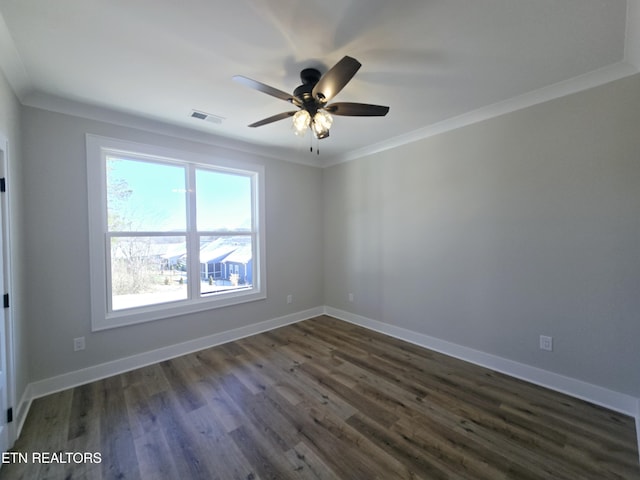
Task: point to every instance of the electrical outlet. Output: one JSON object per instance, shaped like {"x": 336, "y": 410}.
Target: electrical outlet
{"x": 351, "y": 297}
{"x": 546, "y": 343}
{"x": 289, "y": 298}
{"x": 78, "y": 344}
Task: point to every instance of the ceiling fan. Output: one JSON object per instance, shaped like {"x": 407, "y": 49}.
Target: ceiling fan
{"x": 312, "y": 99}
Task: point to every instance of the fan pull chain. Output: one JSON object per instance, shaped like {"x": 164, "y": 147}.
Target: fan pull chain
{"x": 311, "y": 137}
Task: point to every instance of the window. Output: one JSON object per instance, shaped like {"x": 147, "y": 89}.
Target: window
{"x": 170, "y": 232}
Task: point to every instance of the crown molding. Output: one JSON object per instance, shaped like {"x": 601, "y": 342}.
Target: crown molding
{"x": 630, "y": 65}
{"x": 574, "y": 85}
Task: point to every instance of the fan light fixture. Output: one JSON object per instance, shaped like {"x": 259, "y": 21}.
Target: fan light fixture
{"x": 319, "y": 124}
{"x": 301, "y": 122}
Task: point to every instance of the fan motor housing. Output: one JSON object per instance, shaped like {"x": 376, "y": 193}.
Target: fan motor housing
{"x": 309, "y": 78}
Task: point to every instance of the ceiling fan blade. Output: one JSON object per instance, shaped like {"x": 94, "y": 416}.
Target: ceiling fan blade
{"x": 261, "y": 87}
{"x": 335, "y": 79}
{"x": 274, "y": 118}
{"x": 357, "y": 109}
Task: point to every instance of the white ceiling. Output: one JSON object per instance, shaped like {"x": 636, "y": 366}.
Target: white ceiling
{"x": 436, "y": 63}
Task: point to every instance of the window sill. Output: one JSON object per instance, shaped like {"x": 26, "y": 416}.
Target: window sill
{"x": 162, "y": 311}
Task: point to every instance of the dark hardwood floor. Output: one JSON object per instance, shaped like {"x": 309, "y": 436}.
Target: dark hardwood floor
{"x": 322, "y": 399}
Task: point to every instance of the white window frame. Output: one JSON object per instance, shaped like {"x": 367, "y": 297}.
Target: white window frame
{"x": 98, "y": 148}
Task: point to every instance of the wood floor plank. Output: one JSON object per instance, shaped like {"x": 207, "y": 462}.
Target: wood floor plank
{"x": 229, "y": 462}
{"x": 305, "y": 385}
{"x": 155, "y": 456}
{"x": 323, "y": 399}
{"x": 268, "y": 464}
{"x": 307, "y": 465}
{"x": 179, "y": 374}
{"x": 260, "y": 415}
{"x": 431, "y": 465}
{"x": 116, "y": 440}
{"x": 340, "y": 446}
{"x": 190, "y": 460}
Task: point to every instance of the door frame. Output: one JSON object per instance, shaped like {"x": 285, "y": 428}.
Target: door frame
{"x": 7, "y": 274}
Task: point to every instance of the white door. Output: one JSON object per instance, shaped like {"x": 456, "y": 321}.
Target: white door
{"x": 4, "y": 429}
{"x": 4, "y": 317}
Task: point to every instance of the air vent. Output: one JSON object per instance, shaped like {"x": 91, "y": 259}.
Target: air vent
{"x": 207, "y": 117}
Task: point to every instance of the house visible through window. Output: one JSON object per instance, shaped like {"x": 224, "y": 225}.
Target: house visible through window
{"x": 171, "y": 234}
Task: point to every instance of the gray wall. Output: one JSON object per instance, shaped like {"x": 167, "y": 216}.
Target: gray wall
{"x": 492, "y": 234}
{"x": 10, "y": 127}
{"x": 486, "y": 236}
{"x": 56, "y": 239}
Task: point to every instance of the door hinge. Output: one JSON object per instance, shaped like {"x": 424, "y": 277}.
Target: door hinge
{"x": 5, "y": 300}
{"x": 10, "y": 415}
{"x": 3, "y": 185}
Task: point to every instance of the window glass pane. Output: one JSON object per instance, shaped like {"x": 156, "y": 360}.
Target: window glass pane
{"x": 144, "y": 196}
{"x": 226, "y": 264}
{"x": 147, "y": 271}
{"x": 223, "y": 201}
{"x": 157, "y": 223}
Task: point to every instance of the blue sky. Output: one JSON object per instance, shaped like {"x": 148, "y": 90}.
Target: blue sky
{"x": 158, "y": 198}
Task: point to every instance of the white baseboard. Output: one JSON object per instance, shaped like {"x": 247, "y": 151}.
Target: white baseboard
{"x": 604, "y": 397}
{"x": 576, "y": 388}
{"x": 58, "y": 383}
{"x": 20, "y": 414}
